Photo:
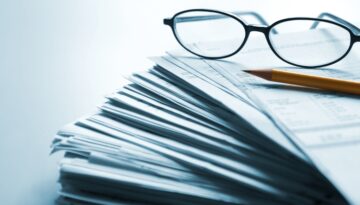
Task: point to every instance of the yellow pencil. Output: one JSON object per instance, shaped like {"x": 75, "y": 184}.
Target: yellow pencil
{"x": 313, "y": 81}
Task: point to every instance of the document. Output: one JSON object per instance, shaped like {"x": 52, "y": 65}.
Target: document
{"x": 196, "y": 131}
{"x": 249, "y": 114}
{"x": 325, "y": 125}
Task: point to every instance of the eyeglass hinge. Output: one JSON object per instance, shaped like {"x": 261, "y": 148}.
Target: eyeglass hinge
{"x": 357, "y": 38}
{"x": 168, "y": 22}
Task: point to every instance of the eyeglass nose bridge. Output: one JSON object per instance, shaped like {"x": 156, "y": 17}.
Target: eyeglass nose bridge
{"x": 258, "y": 28}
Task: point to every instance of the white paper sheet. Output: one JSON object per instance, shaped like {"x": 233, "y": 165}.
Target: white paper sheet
{"x": 323, "y": 124}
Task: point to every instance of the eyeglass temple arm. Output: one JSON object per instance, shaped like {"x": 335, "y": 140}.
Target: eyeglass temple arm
{"x": 351, "y": 26}
{"x": 251, "y": 13}
{"x": 213, "y": 17}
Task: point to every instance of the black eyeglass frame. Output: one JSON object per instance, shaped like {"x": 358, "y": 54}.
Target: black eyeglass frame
{"x": 265, "y": 29}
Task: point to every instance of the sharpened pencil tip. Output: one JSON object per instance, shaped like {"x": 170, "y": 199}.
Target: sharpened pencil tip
{"x": 262, "y": 73}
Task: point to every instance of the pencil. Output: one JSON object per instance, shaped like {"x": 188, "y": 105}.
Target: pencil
{"x": 313, "y": 81}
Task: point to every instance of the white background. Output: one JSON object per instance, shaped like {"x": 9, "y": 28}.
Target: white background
{"x": 59, "y": 58}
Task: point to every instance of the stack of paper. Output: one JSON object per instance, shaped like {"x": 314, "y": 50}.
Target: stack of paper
{"x": 194, "y": 131}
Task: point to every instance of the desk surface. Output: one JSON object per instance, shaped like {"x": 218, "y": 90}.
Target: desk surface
{"x": 59, "y": 58}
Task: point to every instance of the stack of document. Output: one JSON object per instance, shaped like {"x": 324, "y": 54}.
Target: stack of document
{"x": 195, "y": 131}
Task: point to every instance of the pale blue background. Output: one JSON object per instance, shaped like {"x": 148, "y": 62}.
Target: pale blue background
{"x": 59, "y": 58}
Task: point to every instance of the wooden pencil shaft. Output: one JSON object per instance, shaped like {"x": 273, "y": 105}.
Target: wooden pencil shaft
{"x": 326, "y": 83}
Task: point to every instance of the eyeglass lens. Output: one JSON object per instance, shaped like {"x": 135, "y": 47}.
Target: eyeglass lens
{"x": 301, "y": 43}
{"x": 209, "y": 34}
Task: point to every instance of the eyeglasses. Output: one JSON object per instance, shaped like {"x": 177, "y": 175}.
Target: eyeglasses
{"x": 304, "y": 42}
